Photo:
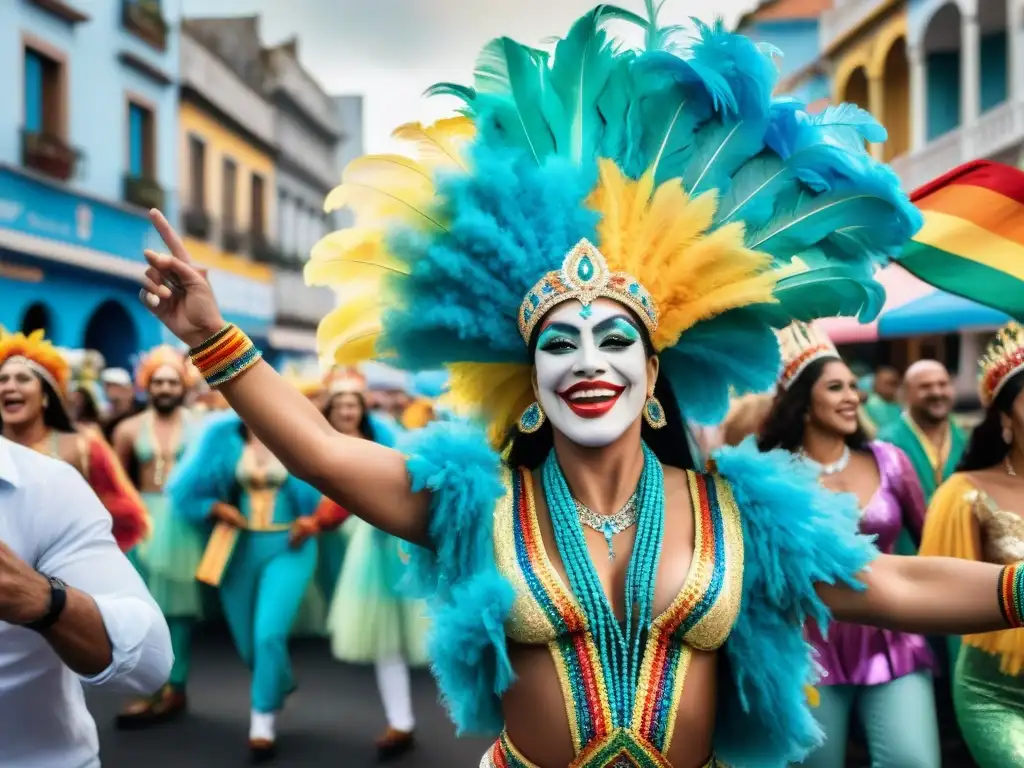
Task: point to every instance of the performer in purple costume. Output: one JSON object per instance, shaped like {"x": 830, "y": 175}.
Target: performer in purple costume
{"x": 882, "y": 675}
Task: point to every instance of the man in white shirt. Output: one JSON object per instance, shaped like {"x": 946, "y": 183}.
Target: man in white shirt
{"x": 72, "y": 610}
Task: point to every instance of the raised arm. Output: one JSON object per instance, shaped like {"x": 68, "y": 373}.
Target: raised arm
{"x": 363, "y": 477}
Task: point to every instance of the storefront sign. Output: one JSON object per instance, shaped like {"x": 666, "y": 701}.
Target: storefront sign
{"x": 248, "y": 303}
{"x": 31, "y": 207}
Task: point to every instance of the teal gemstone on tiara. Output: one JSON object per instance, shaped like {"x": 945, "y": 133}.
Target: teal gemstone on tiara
{"x": 585, "y": 269}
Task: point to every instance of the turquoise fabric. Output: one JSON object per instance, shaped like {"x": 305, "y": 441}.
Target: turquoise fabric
{"x": 261, "y": 593}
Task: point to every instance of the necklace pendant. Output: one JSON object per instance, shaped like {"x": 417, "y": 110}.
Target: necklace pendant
{"x": 608, "y": 533}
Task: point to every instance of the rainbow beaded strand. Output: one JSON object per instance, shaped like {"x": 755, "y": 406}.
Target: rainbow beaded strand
{"x": 620, "y": 651}
{"x": 1011, "y": 594}
{"x": 225, "y": 355}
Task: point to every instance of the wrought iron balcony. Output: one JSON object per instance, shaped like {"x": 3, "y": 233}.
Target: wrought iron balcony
{"x": 232, "y": 239}
{"x": 197, "y": 223}
{"x": 49, "y": 154}
{"x": 266, "y": 252}
{"x": 145, "y": 20}
{"x": 143, "y": 192}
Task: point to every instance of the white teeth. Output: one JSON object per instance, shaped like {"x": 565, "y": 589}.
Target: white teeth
{"x": 587, "y": 394}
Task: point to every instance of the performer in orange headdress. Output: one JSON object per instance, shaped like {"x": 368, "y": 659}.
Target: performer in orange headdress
{"x": 149, "y": 444}
{"x": 34, "y": 379}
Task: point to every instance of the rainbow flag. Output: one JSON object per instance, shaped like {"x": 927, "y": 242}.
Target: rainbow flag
{"x": 972, "y": 241}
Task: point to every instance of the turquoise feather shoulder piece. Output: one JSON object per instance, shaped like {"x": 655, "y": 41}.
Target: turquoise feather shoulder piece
{"x": 796, "y": 535}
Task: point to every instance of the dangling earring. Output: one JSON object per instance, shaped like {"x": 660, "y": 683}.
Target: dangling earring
{"x": 1008, "y": 435}
{"x": 531, "y": 419}
{"x": 654, "y": 414}
{"x": 46, "y": 402}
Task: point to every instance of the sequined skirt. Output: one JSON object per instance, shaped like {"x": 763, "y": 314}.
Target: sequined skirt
{"x": 503, "y": 754}
{"x": 989, "y": 708}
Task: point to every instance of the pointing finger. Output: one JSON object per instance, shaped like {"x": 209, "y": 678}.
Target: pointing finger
{"x": 174, "y": 269}
{"x": 169, "y": 236}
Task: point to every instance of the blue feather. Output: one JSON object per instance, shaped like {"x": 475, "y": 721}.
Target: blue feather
{"x": 584, "y": 63}
{"x": 206, "y": 473}
{"x": 737, "y": 347}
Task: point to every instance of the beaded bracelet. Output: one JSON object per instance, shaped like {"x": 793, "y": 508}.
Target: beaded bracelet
{"x": 1011, "y": 594}
{"x": 225, "y": 355}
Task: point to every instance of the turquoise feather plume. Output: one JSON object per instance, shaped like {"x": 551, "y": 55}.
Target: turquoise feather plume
{"x": 804, "y": 187}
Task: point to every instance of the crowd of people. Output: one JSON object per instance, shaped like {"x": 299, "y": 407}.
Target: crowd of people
{"x": 197, "y": 502}
{"x": 657, "y": 522}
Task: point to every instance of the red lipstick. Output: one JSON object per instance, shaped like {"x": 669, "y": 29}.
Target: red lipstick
{"x": 591, "y": 399}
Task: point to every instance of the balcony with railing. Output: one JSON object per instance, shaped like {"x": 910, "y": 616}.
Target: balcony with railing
{"x": 143, "y": 191}
{"x": 996, "y": 131}
{"x": 845, "y": 17}
{"x": 49, "y": 154}
{"x": 145, "y": 20}
{"x": 197, "y": 223}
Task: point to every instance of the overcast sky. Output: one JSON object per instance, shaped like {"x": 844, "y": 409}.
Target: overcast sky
{"x": 390, "y": 50}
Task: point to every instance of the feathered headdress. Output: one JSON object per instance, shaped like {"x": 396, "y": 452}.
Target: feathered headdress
{"x": 801, "y": 345}
{"x": 156, "y": 359}
{"x": 1003, "y": 359}
{"x": 345, "y": 379}
{"x": 39, "y": 355}
{"x": 672, "y": 182}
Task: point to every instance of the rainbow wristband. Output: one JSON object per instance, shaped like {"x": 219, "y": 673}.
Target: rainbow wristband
{"x": 225, "y": 355}
{"x": 1011, "y": 594}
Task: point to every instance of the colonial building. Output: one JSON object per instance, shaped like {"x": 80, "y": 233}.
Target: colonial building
{"x": 228, "y": 180}
{"x": 87, "y": 145}
{"x": 306, "y": 133}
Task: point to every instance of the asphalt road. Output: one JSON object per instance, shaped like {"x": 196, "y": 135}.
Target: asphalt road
{"x": 331, "y": 721}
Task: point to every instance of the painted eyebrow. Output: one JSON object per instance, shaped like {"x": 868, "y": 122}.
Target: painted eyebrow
{"x": 613, "y": 321}
{"x": 553, "y": 328}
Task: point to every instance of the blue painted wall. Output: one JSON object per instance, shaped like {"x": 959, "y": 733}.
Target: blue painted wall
{"x": 87, "y": 306}
{"x": 813, "y": 88}
{"x": 994, "y": 70}
{"x": 943, "y": 93}
{"x": 99, "y": 86}
{"x": 797, "y": 39}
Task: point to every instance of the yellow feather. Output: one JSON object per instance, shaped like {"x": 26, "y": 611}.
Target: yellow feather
{"x": 663, "y": 238}
{"x": 352, "y": 314}
{"x": 439, "y": 145}
{"x": 378, "y": 188}
{"x": 350, "y": 254}
{"x": 499, "y": 392}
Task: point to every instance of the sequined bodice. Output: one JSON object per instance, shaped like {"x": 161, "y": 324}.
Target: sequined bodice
{"x": 1002, "y": 531}
{"x": 546, "y": 612}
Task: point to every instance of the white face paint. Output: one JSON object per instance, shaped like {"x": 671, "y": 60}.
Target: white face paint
{"x": 591, "y": 371}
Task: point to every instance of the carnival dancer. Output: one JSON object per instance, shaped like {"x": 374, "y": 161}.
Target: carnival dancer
{"x": 34, "y": 379}
{"x": 976, "y": 515}
{"x": 883, "y": 676}
{"x": 261, "y": 554}
{"x": 881, "y": 406}
{"x": 149, "y": 444}
{"x": 604, "y": 241}
{"x": 86, "y": 400}
{"x": 370, "y": 621}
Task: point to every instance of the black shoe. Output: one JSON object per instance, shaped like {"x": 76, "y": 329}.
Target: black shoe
{"x": 393, "y": 744}
{"x": 261, "y": 751}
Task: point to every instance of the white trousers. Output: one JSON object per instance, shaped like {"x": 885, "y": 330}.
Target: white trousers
{"x": 395, "y": 692}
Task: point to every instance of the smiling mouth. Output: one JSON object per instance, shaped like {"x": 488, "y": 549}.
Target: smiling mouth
{"x": 12, "y": 404}
{"x": 591, "y": 399}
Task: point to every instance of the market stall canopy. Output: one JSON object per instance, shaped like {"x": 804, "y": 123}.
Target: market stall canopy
{"x": 901, "y": 288}
{"x": 938, "y": 312}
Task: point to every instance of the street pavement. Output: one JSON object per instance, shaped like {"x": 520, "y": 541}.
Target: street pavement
{"x": 330, "y": 722}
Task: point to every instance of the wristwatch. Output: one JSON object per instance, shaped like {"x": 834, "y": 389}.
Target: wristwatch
{"x": 58, "y": 599}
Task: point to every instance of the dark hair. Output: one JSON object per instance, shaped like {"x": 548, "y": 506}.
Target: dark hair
{"x": 986, "y": 447}
{"x": 365, "y": 425}
{"x": 90, "y": 411}
{"x": 784, "y": 425}
{"x": 670, "y": 444}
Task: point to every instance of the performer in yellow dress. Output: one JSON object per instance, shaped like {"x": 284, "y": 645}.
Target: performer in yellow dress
{"x": 976, "y": 515}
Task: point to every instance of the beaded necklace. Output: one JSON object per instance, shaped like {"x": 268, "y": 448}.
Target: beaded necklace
{"x": 619, "y": 646}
